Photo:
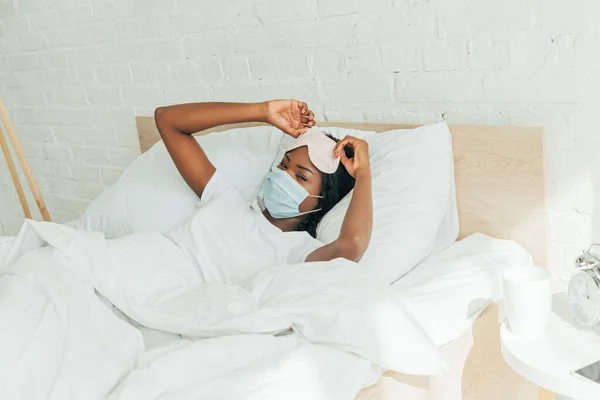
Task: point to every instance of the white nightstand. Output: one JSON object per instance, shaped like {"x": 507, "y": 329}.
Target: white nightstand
{"x": 549, "y": 360}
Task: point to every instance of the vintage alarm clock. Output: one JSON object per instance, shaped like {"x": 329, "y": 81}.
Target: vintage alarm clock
{"x": 584, "y": 288}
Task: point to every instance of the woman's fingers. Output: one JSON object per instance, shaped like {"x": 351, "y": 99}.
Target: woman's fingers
{"x": 303, "y": 107}
{"x": 347, "y": 141}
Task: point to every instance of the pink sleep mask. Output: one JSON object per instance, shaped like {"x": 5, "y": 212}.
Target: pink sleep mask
{"x": 320, "y": 150}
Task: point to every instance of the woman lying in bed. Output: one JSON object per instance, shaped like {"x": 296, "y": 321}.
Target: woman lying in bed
{"x": 230, "y": 239}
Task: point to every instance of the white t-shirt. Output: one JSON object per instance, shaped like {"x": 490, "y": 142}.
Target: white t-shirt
{"x": 231, "y": 240}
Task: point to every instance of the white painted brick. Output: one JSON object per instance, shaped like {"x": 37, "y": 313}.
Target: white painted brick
{"x": 278, "y": 12}
{"x": 569, "y": 227}
{"x": 104, "y": 74}
{"x": 77, "y": 116}
{"x": 585, "y": 203}
{"x": 364, "y": 60}
{"x": 62, "y": 217}
{"x": 52, "y": 116}
{"x": 44, "y": 19}
{"x": 53, "y": 58}
{"x": 210, "y": 70}
{"x": 489, "y": 55}
{"x": 583, "y": 125}
{"x": 33, "y": 151}
{"x": 111, "y": 175}
{"x": 114, "y": 116}
{"x": 184, "y": 23}
{"x": 507, "y": 88}
{"x": 38, "y": 134}
{"x": 161, "y": 51}
{"x": 328, "y": 64}
{"x": 359, "y": 90}
{"x": 228, "y": 14}
{"x": 138, "y": 94}
{"x": 147, "y": 28}
{"x": 331, "y": 8}
{"x": 64, "y": 36}
{"x": 125, "y": 31}
{"x": 236, "y": 68}
{"x": 24, "y": 115}
{"x": 56, "y": 152}
{"x": 441, "y": 56}
{"x": 187, "y": 94}
{"x": 186, "y": 73}
{"x": 33, "y": 42}
{"x": 164, "y": 74}
{"x": 104, "y": 95}
{"x": 23, "y": 7}
{"x": 84, "y": 173}
{"x": 122, "y": 157}
{"x": 141, "y": 72}
{"x": 396, "y": 26}
{"x": 143, "y": 7}
{"x": 91, "y": 156}
{"x": 70, "y": 96}
{"x": 27, "y": 96}
{"x": 97, "y": 33}
{"x": 128, "y": 136}
{"x": 10, "y": 44}
{"x": 56, "y": 168}
{"x": 23, "y": 62}
{"x": 120, "y": 53}
{"x": 401, "y": 58}
{"x": 122, "y": 74}
{"x": 65, "y": 203}
{"x": 17, "y": 25}
{"x": 236, "y": 93}
{"x": 108, "y": 11}
{"x": 4, "y": 65}
{"x": 465, "y": 20}
{"x": 211, "y": 43}
{"x": 259, "y": 39}
{"x": 76, "y": 16}
{"x": 293, "y": 66}
{"x": 439, "y": 87}
{"x": 264, "y": 67}
{"x": 304, "y": 91}
{"x": 331, "y": 32}
{"x": 87, "y": 190}
{"x": 84, "y": 77}
{"x": 99, "y": 137}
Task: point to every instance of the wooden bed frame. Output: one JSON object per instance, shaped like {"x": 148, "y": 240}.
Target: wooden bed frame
{"x": 500, "y": 178}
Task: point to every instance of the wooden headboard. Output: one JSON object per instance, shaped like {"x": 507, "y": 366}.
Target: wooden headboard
{"x": 500, "y": 178}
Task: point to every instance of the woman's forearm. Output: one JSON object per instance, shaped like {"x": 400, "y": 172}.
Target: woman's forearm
{"x": 358, "y": 222}
{"x": 195, "y": 117}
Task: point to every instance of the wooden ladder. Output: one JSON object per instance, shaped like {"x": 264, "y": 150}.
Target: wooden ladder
{"x": 5, "y": 121}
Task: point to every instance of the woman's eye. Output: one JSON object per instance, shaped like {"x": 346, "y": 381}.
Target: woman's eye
{"x": 282, "y": 165}
{"x": 302, "y": 178}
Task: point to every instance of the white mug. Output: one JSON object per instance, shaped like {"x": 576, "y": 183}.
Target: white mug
{"x": 528, "y": 300}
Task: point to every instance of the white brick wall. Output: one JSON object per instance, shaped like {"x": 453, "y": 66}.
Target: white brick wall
{"x": 74, "y": 74}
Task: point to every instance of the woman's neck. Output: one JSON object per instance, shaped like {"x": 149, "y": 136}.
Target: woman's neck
{"x": 285, "y": 224}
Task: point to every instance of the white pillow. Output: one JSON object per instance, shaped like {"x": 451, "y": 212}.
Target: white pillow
{"x": 448, "y": 288}
{"x": 414, "y": 204}
{"x": 151, "y": 196}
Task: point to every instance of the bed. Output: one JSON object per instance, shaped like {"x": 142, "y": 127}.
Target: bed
{"x": 500, "y": 190}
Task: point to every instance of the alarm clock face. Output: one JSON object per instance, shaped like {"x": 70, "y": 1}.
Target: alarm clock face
{"x": 584, "y": 298}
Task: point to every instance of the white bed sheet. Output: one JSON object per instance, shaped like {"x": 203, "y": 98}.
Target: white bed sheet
{"x": 262, "y": 372}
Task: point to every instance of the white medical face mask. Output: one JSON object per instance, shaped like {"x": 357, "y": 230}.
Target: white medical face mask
{"x": 283, "y": 195}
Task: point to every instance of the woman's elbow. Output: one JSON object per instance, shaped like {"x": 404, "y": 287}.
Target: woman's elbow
{"x": 353, "y": 248}
{"x": 160, "y": 118}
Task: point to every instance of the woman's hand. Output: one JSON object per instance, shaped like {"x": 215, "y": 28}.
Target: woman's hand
{"x": 360, "y": 161}
{"x": 291, "y": 116}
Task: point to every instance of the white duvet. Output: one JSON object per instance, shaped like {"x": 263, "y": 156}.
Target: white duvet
{"x": 60, "y": 340}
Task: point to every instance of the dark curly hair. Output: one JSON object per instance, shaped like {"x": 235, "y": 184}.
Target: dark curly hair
{"x": 333, "y": 189}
